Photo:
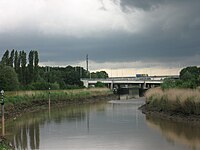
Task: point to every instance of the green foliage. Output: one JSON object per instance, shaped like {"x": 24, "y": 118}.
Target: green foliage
{"x": 189, "y": 78}
{"x": 168, "y": 83}
{"x": 16, "y": 62}
{"x": 30, "y": 66}
{"x": 43, "y": 86}
{"x": 11, "y": 59}
{"x": 5, "y": 59}
{"x": 190, "y": 72}
{"x": 23, "y": 68}
{"x": 27, "y": 97}
{"x": 36, "y": 66}
{"x": 8, "y": 79}
{"x": 55, "y": 86}
{"x": 99, "y": 84}
{"x": 31, "y": 76}
{"x": 4, "y": 146}
{"x": 99, "y": 74}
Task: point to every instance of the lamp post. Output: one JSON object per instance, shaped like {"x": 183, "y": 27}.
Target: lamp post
{"x": 2, "y": 112}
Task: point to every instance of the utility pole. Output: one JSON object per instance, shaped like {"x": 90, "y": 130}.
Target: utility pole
{"x": 87, "y": 62}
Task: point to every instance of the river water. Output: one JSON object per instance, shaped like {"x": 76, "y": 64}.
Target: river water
{"x": 114, "y": 125}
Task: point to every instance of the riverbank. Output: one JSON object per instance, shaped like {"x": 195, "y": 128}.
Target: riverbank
{"x": 19, "y": 102}
{"x": 173, "y": 104}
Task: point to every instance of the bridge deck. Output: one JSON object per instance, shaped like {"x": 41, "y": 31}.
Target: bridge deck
{"x": 129, "y": 80}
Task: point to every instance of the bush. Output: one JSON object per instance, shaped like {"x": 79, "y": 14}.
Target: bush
{"x": 189, "y": 78}
{"x": 99, "y": 84}
{"x": 73, "y": 87}
{"x": 43, "y": 86}
{"x": 8, "y": 79}
{"x": 55, "y": 86}
{"x": 168, "y": 83}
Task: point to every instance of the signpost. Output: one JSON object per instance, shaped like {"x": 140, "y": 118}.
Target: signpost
{"x": 49, "y": 102}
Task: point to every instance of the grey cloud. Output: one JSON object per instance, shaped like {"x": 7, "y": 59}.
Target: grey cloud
{"x": 172, "y": 37}
{"x": 114, "y": 48}
{"x": 141, "y": 4}
{"x": 148, "y": 5}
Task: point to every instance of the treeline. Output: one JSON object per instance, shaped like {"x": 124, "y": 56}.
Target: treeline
{"x": 189, "y": 78}
{"x": 27, "y": 72}
{"x": 21, "y": 71}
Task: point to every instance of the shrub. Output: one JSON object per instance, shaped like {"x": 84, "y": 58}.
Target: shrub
{"x": 99, "y": 84}
{"x": 8, "y": 79}
{"x": 168, "y": 83}
{"x": 43, "y": 86}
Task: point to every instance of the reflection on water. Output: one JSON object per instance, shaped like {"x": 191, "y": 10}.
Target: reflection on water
{"x": 176, "y": 132}
{"x": 109, "y": 126}
{"x": 2, "y": 126}
{"x": 25, "y": 131}
{"x": 126, "y": 97}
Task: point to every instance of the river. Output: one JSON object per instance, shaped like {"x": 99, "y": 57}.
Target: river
{"x": 114, "y": 125}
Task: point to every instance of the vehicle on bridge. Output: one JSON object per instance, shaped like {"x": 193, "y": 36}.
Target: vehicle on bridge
{"x": 141, "y": 75}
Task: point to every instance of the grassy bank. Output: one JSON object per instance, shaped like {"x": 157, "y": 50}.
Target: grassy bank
{"x": 184, "y": 101}
{"x": 20, "y": 100}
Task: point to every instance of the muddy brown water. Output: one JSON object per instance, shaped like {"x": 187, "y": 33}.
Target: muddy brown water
{"x": 114, "y": 125}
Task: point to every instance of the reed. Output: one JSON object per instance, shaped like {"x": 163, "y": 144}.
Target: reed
{"x": 186, "y": 101}
{"x": 27, "y": 97}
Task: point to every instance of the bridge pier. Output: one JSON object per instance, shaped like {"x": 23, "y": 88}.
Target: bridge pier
{"x": 111, "y": 85}
{"x": 85, "y": 83}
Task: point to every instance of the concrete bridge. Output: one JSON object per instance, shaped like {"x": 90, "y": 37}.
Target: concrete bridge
{"x": 119, "y": 82}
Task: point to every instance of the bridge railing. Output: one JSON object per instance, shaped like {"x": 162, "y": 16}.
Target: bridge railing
{"x": 149, "y": 78}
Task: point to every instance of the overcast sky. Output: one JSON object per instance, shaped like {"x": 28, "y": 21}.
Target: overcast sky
{"x": 123, "y": 37}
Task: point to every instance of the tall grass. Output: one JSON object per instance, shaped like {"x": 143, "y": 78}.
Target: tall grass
{"x": 186, "y": 101}
{"x": 27, "y": 97}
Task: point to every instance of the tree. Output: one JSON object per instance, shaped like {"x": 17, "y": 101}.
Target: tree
{"x": 8, "y": 79}
{"x": 36, "y": 66}
{"x": 16, "y": 64}
{"x": 11, "y": 59}
{"x": 71, "y": 77}
{"x": 99, "y": 84}
{"x": 194, "y": 72}
{"x": 19, "y": 69}
{"x": 30, "y": 66}
{"x": 189, "y": 78}
{"x": 191, "y": 75}
{"x": 32, "y": 76}
{"x": 99, "y": 74}
{"x": 23, "y": 68}
{"x": 5, "y": 58}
